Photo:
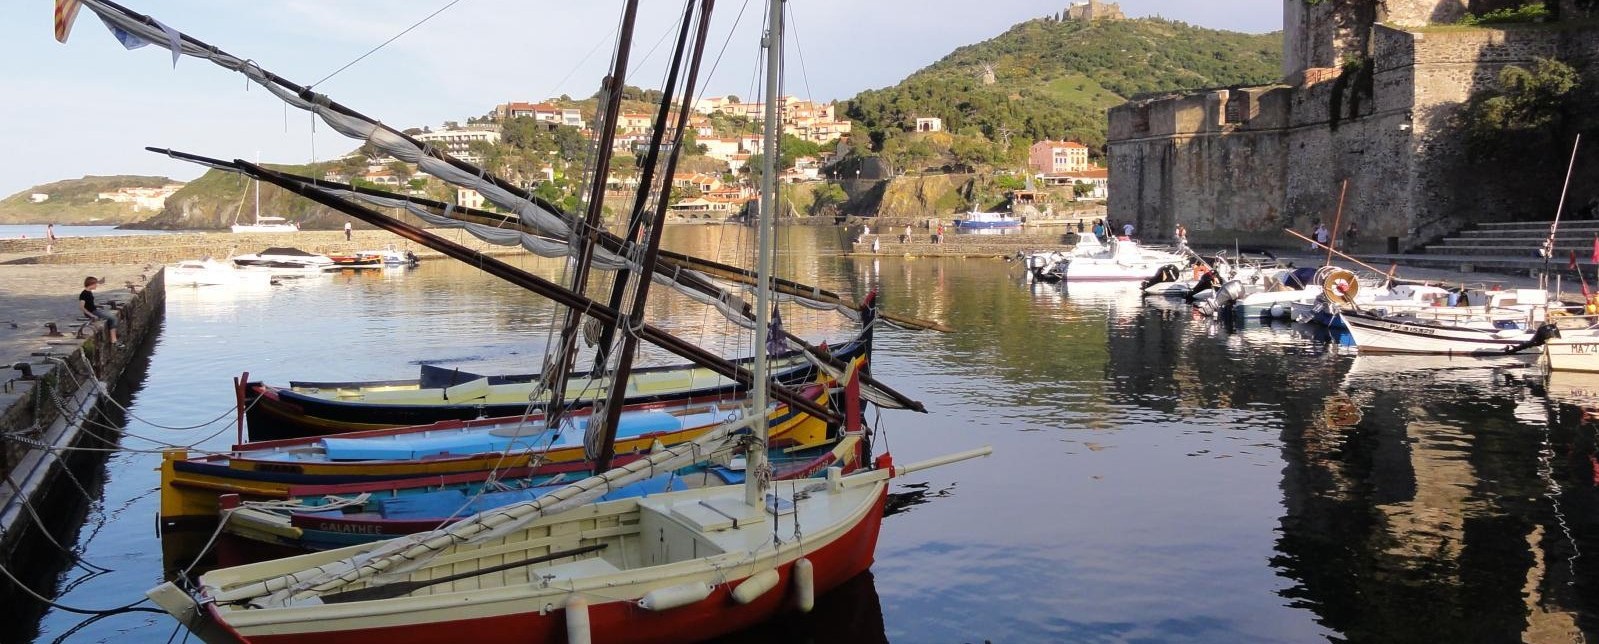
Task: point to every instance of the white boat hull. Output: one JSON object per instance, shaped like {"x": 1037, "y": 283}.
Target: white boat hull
{"x": 1573, "y": 352}
{"x": 1379, "y": 335}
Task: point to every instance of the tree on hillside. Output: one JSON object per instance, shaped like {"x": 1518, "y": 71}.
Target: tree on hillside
{"x": 828, "y": 199}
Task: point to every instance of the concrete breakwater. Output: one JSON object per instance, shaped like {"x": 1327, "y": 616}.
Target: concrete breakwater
{"x": 921, "y": 243}
{"x": 165, "y": 249}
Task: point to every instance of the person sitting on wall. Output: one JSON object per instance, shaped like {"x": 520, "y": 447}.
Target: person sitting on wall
{"x": 86, "y": 304}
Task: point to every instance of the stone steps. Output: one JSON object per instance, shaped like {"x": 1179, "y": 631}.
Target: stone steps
{"x": 1519, "y": 239}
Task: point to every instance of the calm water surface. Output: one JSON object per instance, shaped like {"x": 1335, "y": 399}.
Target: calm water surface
{"x": 1156, "y": 477}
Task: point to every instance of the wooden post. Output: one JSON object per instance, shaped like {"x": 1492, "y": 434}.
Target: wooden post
{"x": 1337, "y": 220}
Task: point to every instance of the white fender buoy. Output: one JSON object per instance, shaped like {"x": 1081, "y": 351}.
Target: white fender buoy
{"x": 804, "y": 585}
{"x": 757, "y": 585}
{"x": 1279, "y": 311}
{"x": 674, "y": 596}
{"x": 578, "y": 630}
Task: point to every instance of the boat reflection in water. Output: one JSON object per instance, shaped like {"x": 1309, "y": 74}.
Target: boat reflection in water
{"x": 1451, "y": 490}
{"x": 852, "y": 613}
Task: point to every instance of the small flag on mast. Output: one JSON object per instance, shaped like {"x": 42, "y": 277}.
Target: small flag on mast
{"x": 66, "y": 12}
{"x": 775, "y": 343}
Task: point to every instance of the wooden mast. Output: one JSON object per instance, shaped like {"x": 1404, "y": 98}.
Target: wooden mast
{"x": 652, "y": 242}
{"x": 668, "y": 263}
{"x": 555, "y": 292}
{"x": 583, "y": 237}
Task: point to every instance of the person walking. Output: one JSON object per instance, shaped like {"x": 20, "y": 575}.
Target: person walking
{"x": 1182, "y": 236}
{"x": 346, "y": 231}
{"x": 1321, "y": 237}
{"x": 87, "y": 306}
{"x": 905, "y": 237}
{"x": 49, "y": 238}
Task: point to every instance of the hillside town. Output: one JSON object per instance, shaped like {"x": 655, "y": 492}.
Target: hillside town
{"x": 1138, "y": 321}
{"x": 723, "y": 138}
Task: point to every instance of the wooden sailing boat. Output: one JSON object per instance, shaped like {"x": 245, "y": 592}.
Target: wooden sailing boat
{"x": 670, "y": 567}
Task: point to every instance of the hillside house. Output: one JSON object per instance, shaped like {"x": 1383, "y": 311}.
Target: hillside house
{"x": 1056, "y": 157}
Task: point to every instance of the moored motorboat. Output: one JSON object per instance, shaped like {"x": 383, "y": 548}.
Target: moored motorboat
{"x": 283, "y": 258}
{"x": 209, "y": 272}
{"x": 1574, "y": 350}
{"x": 1405, "y": 333}
{"x": 987, "y": 221}
{"x": 354, "y": 260}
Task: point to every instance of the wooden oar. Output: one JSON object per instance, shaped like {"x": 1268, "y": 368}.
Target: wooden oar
{"x": 388, "y": 591}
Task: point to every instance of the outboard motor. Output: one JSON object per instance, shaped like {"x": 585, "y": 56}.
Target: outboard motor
{"x": 1539, "y": 337}
{"x": 1229, "y": 293}
{"x": 1205, "y": 283}
{"x": 1167, "y": 273}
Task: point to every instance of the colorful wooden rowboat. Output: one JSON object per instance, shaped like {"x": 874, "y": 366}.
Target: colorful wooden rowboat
{"x": 267, "y": 470}
{"x": 391, "y": 511}
{"x": 670, "y": 567}
{"x": 304, "y": 409}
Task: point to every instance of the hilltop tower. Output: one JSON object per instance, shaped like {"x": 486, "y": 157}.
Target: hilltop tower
{"x": 1094, "y": 10}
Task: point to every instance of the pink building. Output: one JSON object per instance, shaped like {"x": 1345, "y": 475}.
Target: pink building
{"x": 1055, "y": 157}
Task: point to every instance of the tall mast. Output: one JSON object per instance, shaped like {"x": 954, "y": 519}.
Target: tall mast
{"x": 652, "y": 239}
{"x": 755, "y": 457}
{"x": 585, "y": 234}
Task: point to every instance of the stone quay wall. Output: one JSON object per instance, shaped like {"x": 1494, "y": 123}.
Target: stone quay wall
{"x": 44, "y": 418}
{"x": 1243, "y": 163}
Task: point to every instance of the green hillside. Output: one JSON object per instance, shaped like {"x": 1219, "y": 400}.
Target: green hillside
{"x": 76, "y": 201}
{"x": 1055, "y": 79}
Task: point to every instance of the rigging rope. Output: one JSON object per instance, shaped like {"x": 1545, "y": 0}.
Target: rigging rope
{"x": 385, "y": 43}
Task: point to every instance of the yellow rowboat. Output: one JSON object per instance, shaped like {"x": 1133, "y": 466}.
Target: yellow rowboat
{"x": 258, "y": 471}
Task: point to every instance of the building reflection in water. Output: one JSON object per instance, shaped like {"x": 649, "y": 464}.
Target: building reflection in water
{"x": 1452, "y": 507}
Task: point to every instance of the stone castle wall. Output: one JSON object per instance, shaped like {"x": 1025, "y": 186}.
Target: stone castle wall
{"x": 1243, "y": 163}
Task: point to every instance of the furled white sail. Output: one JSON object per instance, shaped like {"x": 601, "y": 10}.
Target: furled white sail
{"x": 362, "y": 129}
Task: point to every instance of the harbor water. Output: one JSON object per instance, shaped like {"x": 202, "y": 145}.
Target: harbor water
{"x": 1156, "y": 476}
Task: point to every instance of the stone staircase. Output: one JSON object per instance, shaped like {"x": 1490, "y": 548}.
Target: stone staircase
{"x": 1510, "y": 248}
{"x": 1521, "y": 239}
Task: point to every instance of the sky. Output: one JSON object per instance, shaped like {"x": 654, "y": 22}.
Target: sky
{"x": 90, "y": 106}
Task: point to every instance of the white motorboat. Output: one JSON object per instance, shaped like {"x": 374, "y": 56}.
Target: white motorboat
{"x": 284, "y": 259}
{"x": 393, "y": 258}
{"x": 1573, "y": 350}
{"x": 1407, "y": 333}
{"x": 1124, "y": 261}
{"x": 209, "y": 272}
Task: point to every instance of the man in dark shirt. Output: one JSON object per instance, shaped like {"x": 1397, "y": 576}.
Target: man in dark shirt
{"x": 86, "y": 304}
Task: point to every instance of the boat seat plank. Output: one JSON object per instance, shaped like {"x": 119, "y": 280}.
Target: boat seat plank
{"x": 415, "y": 396}
{"x": 467, "y": 391}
